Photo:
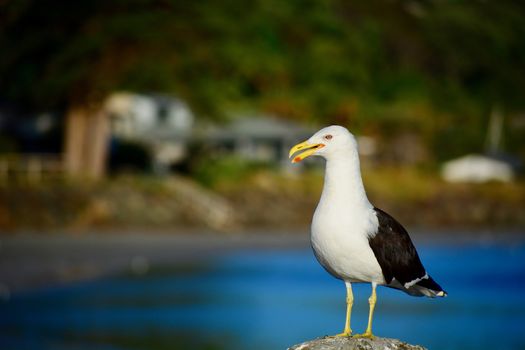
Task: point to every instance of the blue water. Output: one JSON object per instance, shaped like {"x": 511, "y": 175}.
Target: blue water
{"x": 271, "y": 300}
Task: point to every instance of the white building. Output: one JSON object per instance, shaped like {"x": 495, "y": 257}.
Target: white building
{"x": 162, "y": 123}
{"x": 477, "y": 168}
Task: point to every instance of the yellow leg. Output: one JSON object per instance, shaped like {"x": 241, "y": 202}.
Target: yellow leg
{"x": 372, "y": 301}
{"x": 349, "y": 302}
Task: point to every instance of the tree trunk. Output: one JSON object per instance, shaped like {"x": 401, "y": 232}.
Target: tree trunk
{"x": 74, "y": 141}
{"x": 86, "y": 142}
{"x": 97, "y": 145}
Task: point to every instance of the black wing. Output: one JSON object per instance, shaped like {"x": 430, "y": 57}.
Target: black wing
{"x": 399, "y": 260}
{"x": 395, "y": 251}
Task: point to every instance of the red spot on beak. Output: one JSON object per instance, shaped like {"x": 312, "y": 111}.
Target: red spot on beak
{"x": 297, "y": 159}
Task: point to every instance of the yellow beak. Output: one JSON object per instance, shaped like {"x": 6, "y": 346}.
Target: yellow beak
{"x": 307, "y": 150}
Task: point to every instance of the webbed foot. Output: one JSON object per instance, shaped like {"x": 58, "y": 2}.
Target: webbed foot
{"x": 368, "y": 335}
{"x": 344, "y": 334}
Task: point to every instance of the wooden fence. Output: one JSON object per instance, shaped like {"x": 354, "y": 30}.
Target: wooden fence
{"x": 30, "y": 168}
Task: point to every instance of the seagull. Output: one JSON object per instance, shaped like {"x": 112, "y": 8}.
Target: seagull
{"x": 353, "y": 240}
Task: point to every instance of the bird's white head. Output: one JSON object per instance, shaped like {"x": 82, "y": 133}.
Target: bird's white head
{"x": 329, "y": 142}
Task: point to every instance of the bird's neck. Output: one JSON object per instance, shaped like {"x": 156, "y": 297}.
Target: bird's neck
{"x": 343, "y": 182}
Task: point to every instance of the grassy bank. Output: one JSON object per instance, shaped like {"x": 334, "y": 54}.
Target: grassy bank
{"x": 257, "y": 199}
{"x": 417, "y": 198}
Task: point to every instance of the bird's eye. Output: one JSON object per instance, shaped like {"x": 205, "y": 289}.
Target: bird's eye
{"x": 328, "y": 137}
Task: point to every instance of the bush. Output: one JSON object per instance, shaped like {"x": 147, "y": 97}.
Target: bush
{"x": 211, "y": 172}
{"x": 129, "y": 156}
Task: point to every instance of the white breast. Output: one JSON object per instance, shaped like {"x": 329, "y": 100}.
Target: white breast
{"x": 340, "y": 241}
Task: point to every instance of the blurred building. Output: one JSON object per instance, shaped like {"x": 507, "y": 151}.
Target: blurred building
{"x": 30, "y": 145}
{"x": 477, "y": 168}
{"x": 161, "y": 123}
{"x": 258, "y": 137}
{"x": 268, "y": 139}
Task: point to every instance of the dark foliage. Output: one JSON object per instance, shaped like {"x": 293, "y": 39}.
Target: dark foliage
{"x": 433, "y": 67}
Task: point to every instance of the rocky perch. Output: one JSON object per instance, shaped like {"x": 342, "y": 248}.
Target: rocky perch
{"x": 347, "y": 343}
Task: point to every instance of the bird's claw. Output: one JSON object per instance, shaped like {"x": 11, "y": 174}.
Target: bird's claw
{"x": 368, "y": 335}
{"x": 344, "y": 334}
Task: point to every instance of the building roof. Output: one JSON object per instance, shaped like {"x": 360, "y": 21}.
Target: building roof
{"x": 261, "y": 127}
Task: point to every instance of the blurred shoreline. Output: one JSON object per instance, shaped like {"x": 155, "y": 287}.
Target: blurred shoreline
{"x": 65, "y": 232}
{"x": 262, "y": 200}
{"x": 33, "y": 260}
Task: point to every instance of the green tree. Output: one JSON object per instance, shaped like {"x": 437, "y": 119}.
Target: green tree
{"x": 438, "y": 67}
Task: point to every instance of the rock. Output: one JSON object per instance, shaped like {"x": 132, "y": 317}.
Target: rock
{"x": 348, "y": 343}
{"x": 210, "y": 208}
